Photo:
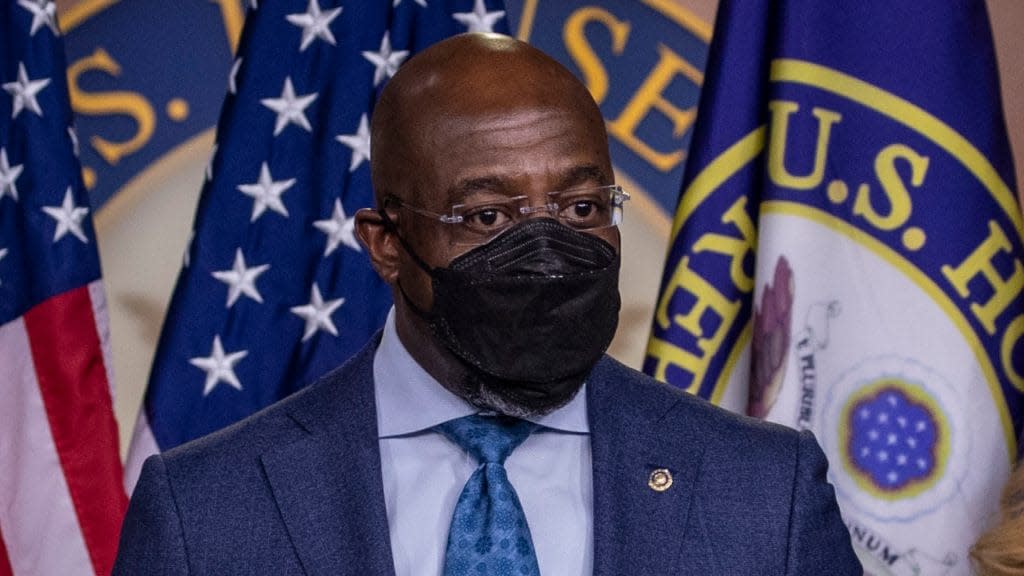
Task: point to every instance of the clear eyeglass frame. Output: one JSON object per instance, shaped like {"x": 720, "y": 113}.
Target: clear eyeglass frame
{"x": 474, "y": 223}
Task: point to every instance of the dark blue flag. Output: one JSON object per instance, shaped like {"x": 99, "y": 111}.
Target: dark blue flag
{"x": 275, "y": 289}
{"x": 847, "y": 258}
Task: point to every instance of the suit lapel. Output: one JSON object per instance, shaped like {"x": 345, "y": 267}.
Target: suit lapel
{"x": 327, "y": 484}
{"x": 638, "y": 529}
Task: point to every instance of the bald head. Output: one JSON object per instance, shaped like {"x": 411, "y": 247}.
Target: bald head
{"x": 474, "y": 120}
{"x": 484, "y": 78}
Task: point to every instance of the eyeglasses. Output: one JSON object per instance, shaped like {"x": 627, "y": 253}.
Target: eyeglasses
{"x": 478, "y": 222}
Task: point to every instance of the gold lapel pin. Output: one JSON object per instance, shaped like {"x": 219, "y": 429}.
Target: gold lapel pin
{"x": 660, "y": 480}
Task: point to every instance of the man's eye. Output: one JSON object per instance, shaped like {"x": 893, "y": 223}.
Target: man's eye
{"x": 487, "y": 218}
{"x": 582, "y": 211}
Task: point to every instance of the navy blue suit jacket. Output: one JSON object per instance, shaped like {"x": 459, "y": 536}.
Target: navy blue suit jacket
{"x": 296, "y": 489}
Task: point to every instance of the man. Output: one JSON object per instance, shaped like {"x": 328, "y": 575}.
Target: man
{"x": 485, "y": 432}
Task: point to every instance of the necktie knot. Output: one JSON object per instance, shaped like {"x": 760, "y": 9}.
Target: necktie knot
{"x": 489, "y": 533}
{"x": 489, "y": 439}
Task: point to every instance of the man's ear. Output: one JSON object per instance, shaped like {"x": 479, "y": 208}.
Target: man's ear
{"x": 380, "y": 242}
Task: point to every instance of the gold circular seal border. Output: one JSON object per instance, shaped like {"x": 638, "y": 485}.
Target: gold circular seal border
{"x": 746, "y": 149}
{"x": 911, "y": 116}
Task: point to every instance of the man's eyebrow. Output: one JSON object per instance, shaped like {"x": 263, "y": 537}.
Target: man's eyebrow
{"x": 464, "y": 188}
{"x": 582, "y": 175}
{"x": 575, "y": 176}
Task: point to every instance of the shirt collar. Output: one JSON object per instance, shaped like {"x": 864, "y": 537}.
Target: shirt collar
{"x": 410, "y": 400}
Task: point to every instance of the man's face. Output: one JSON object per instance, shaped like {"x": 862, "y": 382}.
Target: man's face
{"x": 467, "y": 156}
{"x": 485, "y": 119}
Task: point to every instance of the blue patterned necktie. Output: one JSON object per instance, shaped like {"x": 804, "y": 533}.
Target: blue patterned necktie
{"x": 489, "y": 534}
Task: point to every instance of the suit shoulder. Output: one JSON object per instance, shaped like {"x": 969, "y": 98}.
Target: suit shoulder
{"x": 722, "y": 428}
{"x": 250, "y": 435}
{"x": 282, "y": 422}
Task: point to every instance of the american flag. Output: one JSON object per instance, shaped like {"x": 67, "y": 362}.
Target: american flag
{"x": 61, "y": 497}
{"x": 275, "y": 290}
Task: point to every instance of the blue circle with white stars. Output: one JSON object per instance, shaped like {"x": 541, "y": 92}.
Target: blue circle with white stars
{"x": 894, "y": 439}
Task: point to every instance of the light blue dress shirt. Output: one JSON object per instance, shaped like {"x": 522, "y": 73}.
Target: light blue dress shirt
{"x": 424, "y": 472}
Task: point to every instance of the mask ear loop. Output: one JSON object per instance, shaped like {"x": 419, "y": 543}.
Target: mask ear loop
{"x": 390, "y": 226}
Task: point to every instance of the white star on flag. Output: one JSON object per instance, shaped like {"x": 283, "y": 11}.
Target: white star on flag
{"x": 386, "y": 61}
{"x": 420, "y": 2}
{"x": 358, "y": 142}
{"x": 233, "y": 76}
{"x": 3, "y": 253}
{"x": 8, "y": 175}
{"x": 291, "y": 109}
{"x": 479, "y": 20}
{"x": 241, "y": 280}
{"x": 219, "y": 367}
{"x": 24, "y": 92}
{"x": 315, "y": 24}
{"x": 44, "y": 12}
{"x": 339, "y": 230}
{"x": 69, "y": 218}
{"x": 317, "y": 314}
{"x": 266, "y": 193}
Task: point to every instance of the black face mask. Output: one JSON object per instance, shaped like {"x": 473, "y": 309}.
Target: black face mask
{"x": 529, "y": 313}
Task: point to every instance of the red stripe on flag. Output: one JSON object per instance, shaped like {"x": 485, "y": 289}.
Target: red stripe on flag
{"x": 73, "y": 382}
{"x": 5, "y": 562}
